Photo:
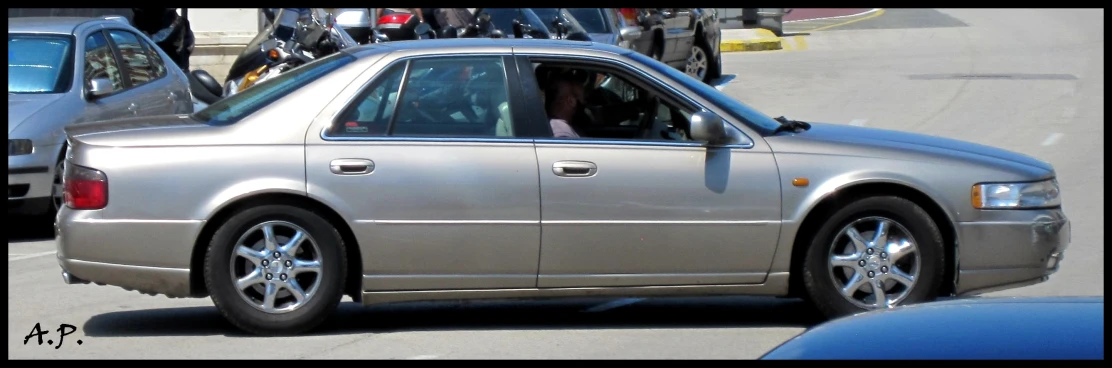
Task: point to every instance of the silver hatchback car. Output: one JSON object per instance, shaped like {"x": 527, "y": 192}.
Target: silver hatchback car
{"x": 68, "y": 70}
{"x": 429, "y": 170}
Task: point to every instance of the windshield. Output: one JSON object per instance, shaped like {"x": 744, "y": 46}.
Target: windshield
{"x": 740, "y": 111}
{"x": 591, "y": 19}
{"x": 233, "y": 109}
{"x": 39, "y": 63}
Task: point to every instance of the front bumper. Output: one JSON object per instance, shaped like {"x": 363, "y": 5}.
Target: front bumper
{"x": 30, "y": 179}
{"x": 1007, "y": 249}
{"x": 150, "y": 256}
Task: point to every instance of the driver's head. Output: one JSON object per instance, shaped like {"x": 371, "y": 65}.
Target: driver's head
{"x": 564, "y": 96}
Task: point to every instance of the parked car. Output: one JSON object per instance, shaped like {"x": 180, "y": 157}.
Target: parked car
{"x": 417, "y": 171}
{"x": 1025, "y": 328}
{"x": 356, "y": 21}
{"x": 70, "y": 70}
{"x": 686, "y": 38}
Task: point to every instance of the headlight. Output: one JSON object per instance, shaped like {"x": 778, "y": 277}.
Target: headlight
{"x": 17, "y": 147}
{"x": 1000, "y": 196}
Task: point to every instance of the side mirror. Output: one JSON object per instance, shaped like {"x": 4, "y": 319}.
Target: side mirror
{"x": 630, "y": 33}
{"x": 708, "y": 127}
{"x": 100, "y": 87}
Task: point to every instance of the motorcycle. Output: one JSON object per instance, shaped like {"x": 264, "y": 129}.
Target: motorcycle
{"x": 268, "y": 56}
{"x": 403, "y": 27}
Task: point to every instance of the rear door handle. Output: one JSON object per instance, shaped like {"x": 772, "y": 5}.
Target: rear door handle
{"x": 133, "y": 107}
{"x": 351, "y": 166}
{"x": 173, "y": 96}
{"x": 574, "y": 169}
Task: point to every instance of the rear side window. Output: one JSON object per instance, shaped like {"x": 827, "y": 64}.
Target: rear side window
{"x": 135, "y": 58}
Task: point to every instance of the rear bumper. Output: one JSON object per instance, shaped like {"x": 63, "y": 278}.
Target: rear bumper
{"x": 150, "y": 256}
{"x": 1010, "y": 249}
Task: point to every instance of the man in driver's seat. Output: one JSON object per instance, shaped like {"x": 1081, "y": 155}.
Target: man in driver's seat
{"x": 563, "y": 101}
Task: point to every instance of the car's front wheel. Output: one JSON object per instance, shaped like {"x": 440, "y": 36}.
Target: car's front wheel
{"x": 877, "y": 252}
{"x": 276, "y": 269}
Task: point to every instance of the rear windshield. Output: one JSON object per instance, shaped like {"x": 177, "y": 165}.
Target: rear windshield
{"x": 233, "y": 109}
{"x": 39, "y": 63}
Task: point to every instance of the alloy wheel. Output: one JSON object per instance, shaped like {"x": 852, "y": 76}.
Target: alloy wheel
{"x": 272, "y": 264}
{"x": 697, "y": 63}
{"x": 874, "y": 262}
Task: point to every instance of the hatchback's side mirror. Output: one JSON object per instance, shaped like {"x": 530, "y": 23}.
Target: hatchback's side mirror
{"x": 708, "y": 127}
{"x": 99, "y": 87}
{"x": 630, "y": 33}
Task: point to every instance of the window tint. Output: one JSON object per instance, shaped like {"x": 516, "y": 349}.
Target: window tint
{"x": 371, "y": 115}
{"x": 100, "y": 63}
{"x": 135, "y": 57}
{"x": 455, "y": 96}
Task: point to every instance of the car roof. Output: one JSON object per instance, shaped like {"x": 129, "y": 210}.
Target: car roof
{"x": 464, "y": 45}
{"x": 55, "y": 25}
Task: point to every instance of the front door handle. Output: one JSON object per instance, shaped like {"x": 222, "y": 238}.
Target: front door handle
{"x": 574, "y": 169}
{"x": 351, "y": 166}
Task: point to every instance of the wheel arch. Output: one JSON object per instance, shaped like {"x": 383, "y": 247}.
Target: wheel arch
{"x": 353, "y": 280}
{"x": 850, "y": 192}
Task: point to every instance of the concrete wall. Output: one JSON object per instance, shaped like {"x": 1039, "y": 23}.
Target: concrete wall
{"x": 221, "y": 35}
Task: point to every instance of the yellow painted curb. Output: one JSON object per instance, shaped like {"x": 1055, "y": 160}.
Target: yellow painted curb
{"x": 765, "y": 41}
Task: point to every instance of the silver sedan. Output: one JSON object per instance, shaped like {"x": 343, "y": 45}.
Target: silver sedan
{"x": 429, "y": 171}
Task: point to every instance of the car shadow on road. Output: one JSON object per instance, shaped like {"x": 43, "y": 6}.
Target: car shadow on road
{"x": 352, "y": 318}
{"x": 30, "y": 228}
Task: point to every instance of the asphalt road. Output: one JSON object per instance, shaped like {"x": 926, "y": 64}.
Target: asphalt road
{"x": 906, "y": 77}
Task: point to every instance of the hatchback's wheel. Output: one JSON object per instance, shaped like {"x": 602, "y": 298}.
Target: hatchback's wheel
{"x": 877, "y": 252}
{"x": 698, "y": 62}
{"x": 56, "y": 190}
{"x": 276, "y": 269}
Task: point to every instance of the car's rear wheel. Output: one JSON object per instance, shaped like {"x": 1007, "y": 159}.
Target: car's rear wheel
{"x": 276, "y": 269}
{"x": 698, "y": 62}
{"x": 877, "y": 252}
{"x": 57, "y": 192}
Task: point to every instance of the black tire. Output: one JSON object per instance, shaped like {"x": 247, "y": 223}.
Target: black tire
{"x": 715, "y": 70}
{"x": 315, "y": 311}
{"x": 819, "y": 281}
{"x": 657, "y": 51}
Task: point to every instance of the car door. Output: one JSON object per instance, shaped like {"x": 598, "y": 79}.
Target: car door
{"x": 680, "y": 32}
{"x": 653, "y": 209}
{"x": 99, "y": 62}
{"x": 152, "y": 93}
{"x": 430, "y": 164}
{"x": 181, "y": 101}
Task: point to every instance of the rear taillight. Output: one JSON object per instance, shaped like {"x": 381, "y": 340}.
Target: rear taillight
{"x": 396, "y": 18}
{"x": 630, "y": 14}
{"x": 85, "y": 188}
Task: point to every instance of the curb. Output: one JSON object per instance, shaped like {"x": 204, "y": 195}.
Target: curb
{"x": 757, "y": 39}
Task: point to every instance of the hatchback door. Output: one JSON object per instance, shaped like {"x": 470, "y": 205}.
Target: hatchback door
{"x": 429, "y": 167}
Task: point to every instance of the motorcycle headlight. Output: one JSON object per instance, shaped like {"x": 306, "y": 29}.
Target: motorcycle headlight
{"x": 18, "y": 147}
{"x": 1003, "y": 196}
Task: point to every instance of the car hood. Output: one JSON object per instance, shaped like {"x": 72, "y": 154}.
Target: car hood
{"x": 23, "y": 106}
{"x": 875, "y": 142}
